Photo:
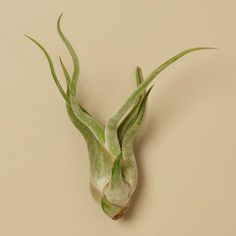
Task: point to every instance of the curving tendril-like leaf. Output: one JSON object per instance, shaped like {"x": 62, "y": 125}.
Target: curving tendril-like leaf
{"x": 67, "y": 78}
{"x": 89, "y": 121}
{"x": 113, "y": 167}
{"x": 52, "y": 69}
{"x": 111, "y": 137}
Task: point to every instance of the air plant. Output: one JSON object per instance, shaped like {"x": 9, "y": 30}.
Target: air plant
{"x": 113, "y": 168}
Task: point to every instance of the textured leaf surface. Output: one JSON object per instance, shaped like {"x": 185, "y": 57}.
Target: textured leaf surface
{"x": 111, "y": 136}
{"x": 118, "y": 191}
{"x": 129, "y": 169}
{"x": 89, "y": 121}
{"x": 113, "y": 166}
{"x": 130, "y": 117}
{"x": 68, "y": 79}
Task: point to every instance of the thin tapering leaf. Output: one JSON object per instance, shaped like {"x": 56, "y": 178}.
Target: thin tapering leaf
{"x": 137, "y": 112}
{"x": 123, "y": 109}
{"x": 52, "y": 69}
{"x": 111, "y": 136}
{"x": 127, "y": 121}
{"x": 78, "y": 124}
{"x": 87, "y": 134}
{"x": 89, "y": 121}
{"x": 129, "y": 168}
{"x": 70, "y": 49}
{"x": 67, "y": 77}
{"x": 131, "y": 132}
{"x": 139, "y": 75}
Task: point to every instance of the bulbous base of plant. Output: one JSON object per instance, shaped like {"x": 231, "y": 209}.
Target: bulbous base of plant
{"x": 112, "y": 210}
{"x": 120, "y": 214}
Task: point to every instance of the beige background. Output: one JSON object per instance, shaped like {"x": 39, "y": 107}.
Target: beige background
{"x": 185, "y": 148}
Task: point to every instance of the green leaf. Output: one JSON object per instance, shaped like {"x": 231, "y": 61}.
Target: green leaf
{"x": 116, "y": 168}
{"x": 129, "y": 169}
{"x": 61, "y": 90}
{"x": 87, "y": 134}
{"x": 139, "y": 75}
{"x": 101, "y": 162}
{"x": 111, "y": 136}
{"x": 130, "y": 117}
{"x": 87, "y": 120}
{"x": 78, "y": 124}
{"x": 67, "y": 77}
{"x": 118, "y": 191}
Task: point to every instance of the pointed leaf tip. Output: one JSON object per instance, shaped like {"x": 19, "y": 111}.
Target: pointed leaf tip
{"x": 60, "y": 16}
{"x": 51, "y": 66}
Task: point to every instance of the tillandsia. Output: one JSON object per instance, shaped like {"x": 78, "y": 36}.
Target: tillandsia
{"x": 113, "y": 168}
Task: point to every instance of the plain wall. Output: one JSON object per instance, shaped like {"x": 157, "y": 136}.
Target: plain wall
{"x": 185, "y": 148}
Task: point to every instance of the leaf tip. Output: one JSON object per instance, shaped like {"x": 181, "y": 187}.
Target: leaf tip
{"x": 60, "y": 16}
{"x": 32, "y": 39}
{"x": 207, "y": 48}
{"x": 59, "y": 20}
{"x": 27, "y": 36}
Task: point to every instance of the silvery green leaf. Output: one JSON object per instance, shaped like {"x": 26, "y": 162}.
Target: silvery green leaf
{"x": 130, "y": 117}
{"x": 129, "y": 168}
{"x": 111, "y": 136}
{"x": 68, "y": 79}
{"x": 52, "y": 69}
{"x": 113, "y": 169}
{"x": 87, "y": 120}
